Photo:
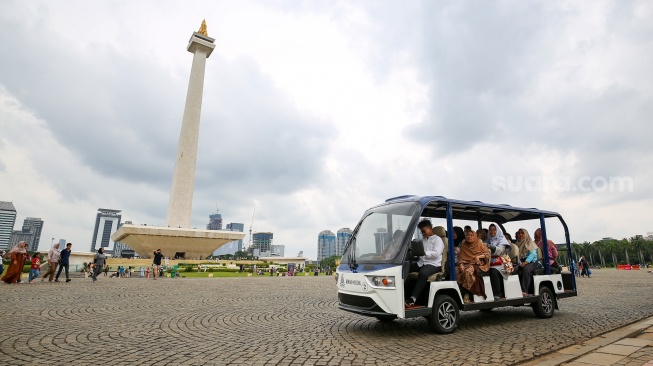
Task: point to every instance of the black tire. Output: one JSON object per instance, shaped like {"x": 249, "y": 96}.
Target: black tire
{"x": 386, "y": 319}
{"x": 545, "y": 305}
{"x": 444, "y": 318}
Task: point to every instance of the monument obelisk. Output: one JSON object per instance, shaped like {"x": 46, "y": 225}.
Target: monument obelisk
{"x": 177, "y": 238}
{"x": 183, "y": 179}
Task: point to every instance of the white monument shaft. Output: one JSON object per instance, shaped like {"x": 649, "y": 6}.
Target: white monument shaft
{"x": 183, "y": 179}
{"x": 178, "y": 237}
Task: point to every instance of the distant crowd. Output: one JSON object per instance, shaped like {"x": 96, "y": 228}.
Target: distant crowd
{"x": 60, "y": 259}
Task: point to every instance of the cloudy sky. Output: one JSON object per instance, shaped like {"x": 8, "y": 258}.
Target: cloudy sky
{"x": 314, "y": 111}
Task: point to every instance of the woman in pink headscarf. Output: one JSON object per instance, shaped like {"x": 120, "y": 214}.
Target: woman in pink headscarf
{"x": 553, "y": 251}
{"x": 18, "y": 255}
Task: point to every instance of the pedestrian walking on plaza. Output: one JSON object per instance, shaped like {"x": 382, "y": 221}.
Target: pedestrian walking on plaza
{"x": 157, "y": 262}
{"x": 99, "y": 260}
{"x": 147, "y": 272}
{"x": 106, "y": 269}
{"x": 35, "y": 268}
{"x": 64, "y": 262}
{"x": 53, "y": 261}
{"x": 584, "y": 271}
{"x": 142, "y": 272}
{"x": 18, "y": 255}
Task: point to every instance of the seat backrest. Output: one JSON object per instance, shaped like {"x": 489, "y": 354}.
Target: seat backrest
{"x": 442, "y": 233}
{"x": 514, "y": 250}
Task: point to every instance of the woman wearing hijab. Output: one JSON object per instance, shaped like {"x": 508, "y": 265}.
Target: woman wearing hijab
{"x": 498, "y": 246}
{"x": 474, "y": 257}
{"x": 551, "y": 248}
{"x": 458, "y": 238}
{"x": 528, "y": 257}
{"x": 18, "y": 255}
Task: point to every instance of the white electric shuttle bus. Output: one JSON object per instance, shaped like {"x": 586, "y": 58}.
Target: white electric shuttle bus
{"x": 373, "y": 279}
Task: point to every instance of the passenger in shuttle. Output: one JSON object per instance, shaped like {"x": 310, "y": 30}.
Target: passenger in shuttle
{"x": 474, "y": 257}
{"x": 499, "y": 247}
{"x": 528, "y": 259}
{"x": 428, "y": 264}
{"x": 553, "y": 251}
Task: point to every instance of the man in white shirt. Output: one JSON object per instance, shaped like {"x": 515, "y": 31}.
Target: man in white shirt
{"x": 428, "y": 264}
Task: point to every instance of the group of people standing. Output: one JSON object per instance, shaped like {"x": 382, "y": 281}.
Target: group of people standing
{"x": 19, "y": 256}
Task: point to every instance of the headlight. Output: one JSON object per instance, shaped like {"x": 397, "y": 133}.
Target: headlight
{"x": 381, "y": 281}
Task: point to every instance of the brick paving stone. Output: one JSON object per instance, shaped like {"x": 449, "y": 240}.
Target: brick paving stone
{"x": 288, "y": 321}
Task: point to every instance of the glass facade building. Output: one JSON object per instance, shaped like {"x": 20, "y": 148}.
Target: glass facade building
{"x": 326, "y": 245}
{"x": 215, "y": 222}
{"x": 7, "y": 221}
{"x": 262, "y": 244}
{"x": 233, "y": 246}
{"x": 35, "y": 226}
{"x": 343, "y": 236}
{"x": 107, "y": 221}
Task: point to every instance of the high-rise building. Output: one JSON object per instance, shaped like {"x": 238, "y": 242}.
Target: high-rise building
{"x": 343, "y": 236}
{"x": 35, "y": 225}
{"x": 62, "y": 243}
{"x": 122, "y": 250}
{"x": 107, "y": 222}
{"x": 277, "y": 250}
{"x": 7, "y": 221}
{"x": 233, "y": 246}
{"x": 215, "y": 222}
{"x": 326, "y": 245}
{"x": 262, "y": 244}
{"x": 25, "y": 235}
{"x": 381, "y": 238}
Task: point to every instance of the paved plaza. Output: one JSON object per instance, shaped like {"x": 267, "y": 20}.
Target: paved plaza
{"x": 285, "y": 321}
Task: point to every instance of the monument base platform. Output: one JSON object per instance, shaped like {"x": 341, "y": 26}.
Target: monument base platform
{"x": 193, "y": 243}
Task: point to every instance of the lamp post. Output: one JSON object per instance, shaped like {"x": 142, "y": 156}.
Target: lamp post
{"x": 52, "y": 244}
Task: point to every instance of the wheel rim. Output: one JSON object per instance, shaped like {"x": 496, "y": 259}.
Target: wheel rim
{"x": 446, "y": 315}
{"x": 547, "y": 302}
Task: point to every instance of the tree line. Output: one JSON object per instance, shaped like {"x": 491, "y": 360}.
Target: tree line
{"x": 609, "y": 253}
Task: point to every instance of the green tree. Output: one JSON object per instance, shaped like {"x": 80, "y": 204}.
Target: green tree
{"x": 329, "y": 262}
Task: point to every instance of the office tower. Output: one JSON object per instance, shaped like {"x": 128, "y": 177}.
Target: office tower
{"x": 343, "y": 236}
{"x": 233, "y": 246}
{"x": 326, "y": 245}
{"x": 237, "y": 226}
{"x": 35, "y": 225}
{"x": 381, "y": 237}
{"x": 262, "y": 244}
{"x": 215, "y": 222}
{"x": 277, "y": 250}
{"x": 122, "y": 250}
{"x": 25, "y": 234}
{"x": 107, "y": 222}
{"x": 7, "y": 221}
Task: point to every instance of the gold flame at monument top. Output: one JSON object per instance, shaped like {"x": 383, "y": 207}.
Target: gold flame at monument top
{"x": 202, "y": 30}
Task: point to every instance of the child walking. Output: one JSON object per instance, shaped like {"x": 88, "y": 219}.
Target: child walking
{"x": 35, "y": 268}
